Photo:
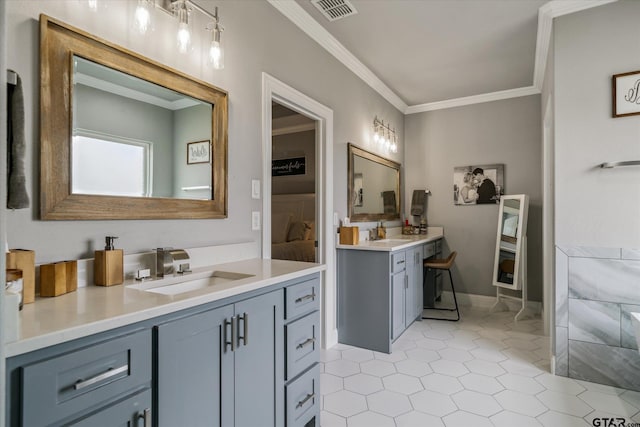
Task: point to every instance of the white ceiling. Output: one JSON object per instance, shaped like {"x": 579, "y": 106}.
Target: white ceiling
{"x": 424, "y": 54}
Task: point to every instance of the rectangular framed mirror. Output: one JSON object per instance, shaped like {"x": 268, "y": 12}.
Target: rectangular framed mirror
{"x": 374, "y": 186}
{"x": 510, "y": 257}
{"x": 116, "y": 129}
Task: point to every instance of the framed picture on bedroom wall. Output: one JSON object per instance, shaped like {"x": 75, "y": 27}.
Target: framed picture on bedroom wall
{"x": 478, "y": 184}
{"x": 290, "y": 166}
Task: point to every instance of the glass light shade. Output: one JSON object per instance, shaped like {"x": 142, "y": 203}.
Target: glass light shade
{"x": 93, "y": 4}
{"x": 184, "y": 37}
{"x": 143, "y": 16}
{"x": 216, "y": 55}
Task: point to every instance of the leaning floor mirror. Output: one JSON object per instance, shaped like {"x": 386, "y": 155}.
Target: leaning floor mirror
{"x": 510, "y": 264}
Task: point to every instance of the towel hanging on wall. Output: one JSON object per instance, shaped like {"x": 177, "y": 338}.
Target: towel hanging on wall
{"x": 17, "y": 197}
{"x": 417, "y": 202}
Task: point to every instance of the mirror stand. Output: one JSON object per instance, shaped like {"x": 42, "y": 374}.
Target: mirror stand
{"x": 510, "y": 265}
{"x": 500, "y": 304}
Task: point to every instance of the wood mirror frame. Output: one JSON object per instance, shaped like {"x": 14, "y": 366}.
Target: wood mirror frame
{"x": 58, "y": 43}
{"x": 352, "y": 151}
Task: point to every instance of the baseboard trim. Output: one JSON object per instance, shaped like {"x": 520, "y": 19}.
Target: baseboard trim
{"x": 485, "y": 301}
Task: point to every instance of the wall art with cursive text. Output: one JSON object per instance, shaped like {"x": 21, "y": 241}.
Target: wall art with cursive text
{"x": 198, "y": 152}
{"x": 626, "y": 94}
{"x": 286, "y": 167}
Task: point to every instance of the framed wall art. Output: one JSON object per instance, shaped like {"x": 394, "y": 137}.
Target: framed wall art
{"x": 478, "y": 184}
{"x": 626, "y": 94}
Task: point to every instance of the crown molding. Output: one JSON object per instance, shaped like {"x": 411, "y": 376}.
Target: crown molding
{"x": 553, "y": 9}
{"x": 475, "y": 99}
{"x": 296, "y": 14}
{"x": 546, "y": 13}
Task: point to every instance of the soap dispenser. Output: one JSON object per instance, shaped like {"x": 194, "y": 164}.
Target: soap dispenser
{"x": 108, "y": 265}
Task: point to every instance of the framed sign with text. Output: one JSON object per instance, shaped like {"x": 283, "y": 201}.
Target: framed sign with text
{"x": 626, "y": 94}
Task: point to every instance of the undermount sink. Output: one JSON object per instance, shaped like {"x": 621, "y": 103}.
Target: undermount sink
{"x": 635, "y": 320}
{"x": 188, "y": 284}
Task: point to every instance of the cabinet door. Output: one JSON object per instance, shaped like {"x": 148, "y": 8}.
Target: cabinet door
{"x": 134, "y": 411}
{"x": 410, "y": 289}
{"x": 398, "y": 282}
{"x": 258, "y": 357}
{"x": 417, "y": 283}
{"x": 195, "y": 371}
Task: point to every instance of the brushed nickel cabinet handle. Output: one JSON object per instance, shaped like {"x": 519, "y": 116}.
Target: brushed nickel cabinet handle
{"x": 305, "y": 400}
{"x": 305, "y": 343}
{"x": 312, "y": 295}
{"x": 245, "y": 328}
{"x": 104, "y": 376}
{"x": 230, "y": 341}
{"x": 146, "y": 417}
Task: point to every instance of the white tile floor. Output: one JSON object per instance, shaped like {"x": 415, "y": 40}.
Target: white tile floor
{"x": 484, "y": 370}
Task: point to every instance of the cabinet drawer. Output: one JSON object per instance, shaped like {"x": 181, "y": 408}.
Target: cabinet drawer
{"x": 303, "y": 342}
{"x": 303, "y": 399}
{"x": 438, "y": 245}
{"x": 398, "y": 261}
{"x": 428, "y": 250}
{"x": 302, "y": 298}
{"x": 133, "y": 411}
{"x": 62, "y": 386}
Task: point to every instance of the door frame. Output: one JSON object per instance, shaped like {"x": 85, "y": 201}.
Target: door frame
{"x": 278, "y": 91}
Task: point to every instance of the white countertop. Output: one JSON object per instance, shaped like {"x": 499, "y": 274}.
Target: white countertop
{"x": 95, "y": 309}
{"x": 397, "y": 242}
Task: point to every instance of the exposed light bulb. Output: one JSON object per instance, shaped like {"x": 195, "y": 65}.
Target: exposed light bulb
{"x": 184, "y": 37}
{"x": 216, "y": 54}
{"x": 376, "y": 137}
{"x": 142, "y": 16}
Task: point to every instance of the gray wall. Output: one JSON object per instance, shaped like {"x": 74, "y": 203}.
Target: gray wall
{"x": 597, "y": 210}
{"x": 298, "y": 144}
{"x": 595, "y": 207}
{"x": 189, "y": 127}
{"x": 107, "y": 113}
{"x": 257, "y": 39}
{"x": 506, "y": 132}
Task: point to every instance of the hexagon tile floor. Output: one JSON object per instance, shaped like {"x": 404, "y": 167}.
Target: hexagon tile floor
{"x": 484, "y": 370}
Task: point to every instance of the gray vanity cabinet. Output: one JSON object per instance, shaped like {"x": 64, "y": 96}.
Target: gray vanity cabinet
{"x": 216, "y": 368}
{"x": 194, "y": 373}
{"x": 413, "y": 292}
{"x": 379, "y": 295}
{"x": 225, "y": 363}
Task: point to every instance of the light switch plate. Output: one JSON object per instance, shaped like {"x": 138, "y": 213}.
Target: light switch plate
{"x": 255, "y": 221}
{"x": 255, "y": 188}
{"x": 336, "y": 221}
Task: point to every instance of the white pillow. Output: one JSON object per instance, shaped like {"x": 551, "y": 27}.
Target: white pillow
{"x": 280, "y": 227}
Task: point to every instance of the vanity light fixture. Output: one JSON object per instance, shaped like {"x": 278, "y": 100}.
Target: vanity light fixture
{"x": 384, "y": 136}
{"x": 143, "y": 15}
{"x": 182, "y": 10}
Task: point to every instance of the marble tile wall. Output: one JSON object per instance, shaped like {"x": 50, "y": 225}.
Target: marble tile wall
{"x": 596, "y": 289}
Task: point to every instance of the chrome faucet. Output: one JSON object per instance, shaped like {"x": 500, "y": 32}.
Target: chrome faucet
{"x": 165, "y": 258}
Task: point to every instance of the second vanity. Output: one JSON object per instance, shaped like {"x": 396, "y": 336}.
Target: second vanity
{"x": 243, "y": 352}
{"x": 380, "y": 287}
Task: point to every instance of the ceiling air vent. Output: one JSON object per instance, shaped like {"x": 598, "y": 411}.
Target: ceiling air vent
{"x": 335, "y": 9}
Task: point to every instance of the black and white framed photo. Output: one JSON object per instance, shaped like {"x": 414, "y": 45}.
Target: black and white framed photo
{"x": 478, "y": 184}
{"x": 198, "y": 152}
{"x": 626, "y": 94}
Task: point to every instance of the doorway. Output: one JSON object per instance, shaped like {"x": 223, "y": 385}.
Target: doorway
{"x": 293, "y": 185}
{"x": 273, "y": 90}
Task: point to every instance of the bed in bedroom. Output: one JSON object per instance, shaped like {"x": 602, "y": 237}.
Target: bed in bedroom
{"x": 293, "y": 229}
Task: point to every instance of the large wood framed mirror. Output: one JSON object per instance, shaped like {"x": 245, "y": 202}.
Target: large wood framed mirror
{"x": 124, "y": 137}
{"x": 374, "y": 186}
